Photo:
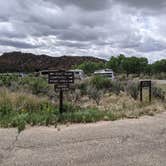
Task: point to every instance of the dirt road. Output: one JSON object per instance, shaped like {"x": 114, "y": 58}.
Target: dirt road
{"x": 136, "y": 142}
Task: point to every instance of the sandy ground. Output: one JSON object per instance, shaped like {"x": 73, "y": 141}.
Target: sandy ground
{"x": 130, "y": 142}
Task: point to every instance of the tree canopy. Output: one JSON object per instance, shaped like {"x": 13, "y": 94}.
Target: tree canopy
{"x": 128, "y": 65}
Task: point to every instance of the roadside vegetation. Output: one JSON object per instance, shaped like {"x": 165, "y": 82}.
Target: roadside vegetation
{"x": 31, "y": 101}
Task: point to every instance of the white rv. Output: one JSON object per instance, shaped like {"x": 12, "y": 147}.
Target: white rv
{"x": 78, "y": 74}
{"x": 106, "y": 73}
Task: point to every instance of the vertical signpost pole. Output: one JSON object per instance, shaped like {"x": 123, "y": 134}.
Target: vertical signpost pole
{"x": 150, "y": 92}
{"x": 141, "y": 91}
{"x": 61, "y": 101}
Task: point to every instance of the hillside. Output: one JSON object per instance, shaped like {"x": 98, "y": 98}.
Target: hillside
{"x": 27, "y": 62}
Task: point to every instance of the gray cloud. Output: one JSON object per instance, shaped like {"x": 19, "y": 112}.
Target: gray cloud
{"x": 149, "y": 4}
{"x": 84, "y": 4}
{"x": 17, "y": 44}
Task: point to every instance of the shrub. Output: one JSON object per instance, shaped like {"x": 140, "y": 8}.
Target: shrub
{"x": 116, "y": 87}
{"x": 104, "y": 83}
{"x": 75, "y": 93}
{"x": 7, "y": 79}
{"x": 158, "y": 92}
{"x": 132, "y": 89}
{"x": 69, "y": 107}
{"x": 19, "y": 121}
{"x": 35, "y": 84}
{"x": 82, "y": 86}
{"x": 100, "y": 82}
{"x": 94, "y": 94}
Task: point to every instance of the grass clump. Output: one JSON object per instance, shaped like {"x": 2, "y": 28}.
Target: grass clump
{"x": 86, "y": 116}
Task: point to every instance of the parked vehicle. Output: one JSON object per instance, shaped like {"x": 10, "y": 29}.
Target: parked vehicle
{"x": 106, "y": 73}
{"x": 78, "y": 74}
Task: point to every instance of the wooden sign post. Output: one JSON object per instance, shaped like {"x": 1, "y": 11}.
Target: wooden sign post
{"x": 61, "y": 80}
{"x": 146, "y": 84}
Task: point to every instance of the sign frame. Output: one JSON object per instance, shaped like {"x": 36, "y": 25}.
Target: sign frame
{"x": 61, "y": 80}
{"x": 146, "y": 84}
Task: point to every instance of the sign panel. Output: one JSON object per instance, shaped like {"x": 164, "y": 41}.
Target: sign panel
{"x": 145, "y": 84}
{"x": 63, "y": 87}
{"x": 61, "y": 77}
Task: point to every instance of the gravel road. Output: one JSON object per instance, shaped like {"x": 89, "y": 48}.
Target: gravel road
{"x": 130, "y": 142}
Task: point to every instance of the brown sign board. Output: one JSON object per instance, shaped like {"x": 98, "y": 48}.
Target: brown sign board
{"x": 145, "y": 84}
{"x": 61, "y": 80}
{"x": 60, "y": 77}
{"x": 63, "y": 87}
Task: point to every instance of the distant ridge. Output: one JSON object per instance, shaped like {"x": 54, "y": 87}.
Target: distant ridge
{"x": 28, "y": 62}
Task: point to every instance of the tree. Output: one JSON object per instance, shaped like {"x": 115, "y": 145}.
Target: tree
{"x": 148, "y": 69}
{"x": 143, "y": 65}
{"x": 115, "y": 63}
{"x": 134, "y": 65}
{"x": 90, "y": 67}
{"x": 159, "y": 66}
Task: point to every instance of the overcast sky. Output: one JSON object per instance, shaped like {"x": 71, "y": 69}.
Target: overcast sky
{"x": 100, "y": 28}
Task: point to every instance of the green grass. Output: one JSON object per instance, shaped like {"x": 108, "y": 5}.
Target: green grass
{"x": 44, "y": 118}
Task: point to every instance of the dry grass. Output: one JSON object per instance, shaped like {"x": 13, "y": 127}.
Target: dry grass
{"x": 21, "y": 101}
{"x": 124, "y": 106}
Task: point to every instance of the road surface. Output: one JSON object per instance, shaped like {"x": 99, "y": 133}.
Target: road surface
{"x": 130, "y": 142}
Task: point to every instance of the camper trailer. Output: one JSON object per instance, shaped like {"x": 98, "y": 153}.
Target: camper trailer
{"x": 78, "y": 74}
{"x": 106, "y": 73}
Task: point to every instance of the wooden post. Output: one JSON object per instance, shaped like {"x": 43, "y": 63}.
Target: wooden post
{"x": 61, "y": 101}
{"x": 150, "y": 92}
{"x": 141, "y": 93}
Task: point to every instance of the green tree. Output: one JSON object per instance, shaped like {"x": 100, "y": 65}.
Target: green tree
{"x": 134, "y": 65}
{"x": 115, "y": 63}
{"x": 159, "y": 66}
{"x": 143, "y": 65}
{"x": 90, "y": 67}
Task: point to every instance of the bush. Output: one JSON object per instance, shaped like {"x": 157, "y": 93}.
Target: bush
{"x": 69, "y": 107}
{"x": 100, "y": 82}
{"x": 82, "y": 86}
{"x": 94, "y": 94}
{"x": 158, "y": 92}
{"x": 106, "y": 84}
{"x": 35, "y": 84}
{"x": 116, "y": 87}
{"x": 7, "y": 79}
{"x": 133, "y": 89}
